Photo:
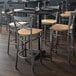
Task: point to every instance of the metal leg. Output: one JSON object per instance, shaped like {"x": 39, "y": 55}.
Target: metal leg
{"x": 72, "y": 42}
{"x": 29, "y": 41}
{"x": 15, "y": 38}
{"x": 51, "y": 43}
{"x": 32, "y": 63}
{"x": 25, "y": 53}
{"x": 40, "y": 47}
{"x": 68, "y": 48}
{"x": 45, "y": 34}
{"x": 32, "y": 54}
{"x": 6, "y": 20}
{"x": 23, "y": 45}
{"x": 56, "y": 41}
{"x": 1, "y": 22}
{"x": 17, "y": 52}
{"x": 8, "y": 41}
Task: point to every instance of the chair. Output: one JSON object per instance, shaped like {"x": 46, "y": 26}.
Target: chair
{"x": 8, "y": 15}
{"x": 25, "y": 35}
{"x": 3, "y": 18}
{"x": 48, "y": 22}
{"x": 58, "y": 29}
{"x": 64, "y": 17}
{"x": 12, "y": 29}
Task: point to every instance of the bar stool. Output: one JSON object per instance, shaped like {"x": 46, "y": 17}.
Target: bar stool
{"x": 12, "y": 29}
{"x": 2, "y": 18}
{"x": 25, "y": 35}
{"x": 56, "y": 31}
{"x": 48, "y": 22}
{"x": 64, "y": 17}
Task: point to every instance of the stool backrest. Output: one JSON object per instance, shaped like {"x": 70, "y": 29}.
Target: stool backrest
{"x": 57, "y": 17}
{"x": 72, "y": 19}
{"x": 23, "y": 22}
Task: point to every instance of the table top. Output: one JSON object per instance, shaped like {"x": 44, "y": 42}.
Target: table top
{"x": 40, "y": 11}
{"x": 33, "y": 10}
{"x": 15, "y": 10}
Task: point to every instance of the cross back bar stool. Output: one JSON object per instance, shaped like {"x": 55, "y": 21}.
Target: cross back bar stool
{"x": 64, "y": 17}
{"x": 8, "y": 14}
{"x": 12, "y": 29}
{"x": 27, "y": 34}
{"x": 48, "y": 22}
{"x": 55, "y": 32}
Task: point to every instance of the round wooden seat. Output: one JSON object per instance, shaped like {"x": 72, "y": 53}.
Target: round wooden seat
{"x": 60, "y": 27}
{"x": 65, "y": 14}
{"x": 18, "y": 24}
{"x": 27, "y": 31}
{"x": 48, "y": 21}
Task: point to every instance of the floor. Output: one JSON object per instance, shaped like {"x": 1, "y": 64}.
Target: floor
{"x": 59, "y": 66}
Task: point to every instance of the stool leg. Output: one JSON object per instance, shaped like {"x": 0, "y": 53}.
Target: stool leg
{"x": 25, "y": 53}
{"x": 56, "y": 45}
{"x": 17, "y": 52}
{"x": 32, "y": 54}
{"x": 8, "y": 42}
{"x": 72, "y": 43}
{"x": 23, "y": 46}
{"x": 51, "y": 43}
{"x": 40, "y": 50}
{"x": 68, "y": 48}
{"x": 16, "y": 38}
{"x": 32, "y": 62}
{"x": 1, "y": 22}
{"x": 45, "y": 34}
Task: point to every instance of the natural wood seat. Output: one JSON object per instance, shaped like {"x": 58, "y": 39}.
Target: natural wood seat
{"x": 26, "y": 31}
{"x": 60, "y": 27}
{"x": 18, "y": 24}
{"x": 65, "y": 14}
{"x": 48, "y": 21}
